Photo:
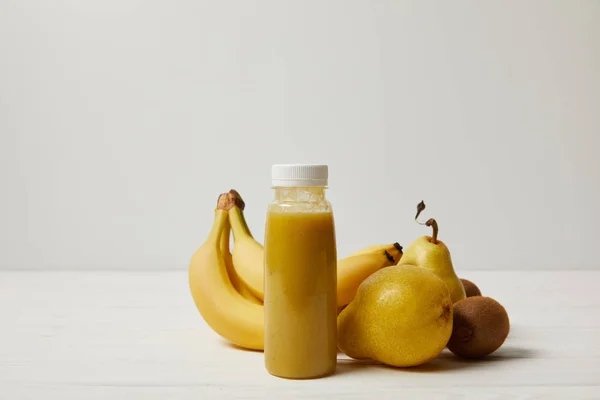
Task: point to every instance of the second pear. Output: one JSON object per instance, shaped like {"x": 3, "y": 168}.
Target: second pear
{"x": 431, "y": 253}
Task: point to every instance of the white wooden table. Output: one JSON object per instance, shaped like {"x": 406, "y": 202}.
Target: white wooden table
{"x": 137, "y": 335}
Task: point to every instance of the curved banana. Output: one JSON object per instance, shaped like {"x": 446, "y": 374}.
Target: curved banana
{"x": 376, "y": 248}
{"x": 222, "y": 307}
{"x": 353, "y": 270}
{"x": 247, "y": 253}
{"x": 237, "y": 283}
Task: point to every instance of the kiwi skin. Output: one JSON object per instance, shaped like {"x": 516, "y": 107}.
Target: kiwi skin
{"x": 471, "y": 289}
{"x": 480, "y": 327}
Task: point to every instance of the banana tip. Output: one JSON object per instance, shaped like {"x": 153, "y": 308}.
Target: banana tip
{"x": 236, "y": 199}
{"x": 223, "y": 201}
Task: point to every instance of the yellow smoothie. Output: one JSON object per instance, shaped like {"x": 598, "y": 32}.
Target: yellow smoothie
{"x": 300, "y": 294}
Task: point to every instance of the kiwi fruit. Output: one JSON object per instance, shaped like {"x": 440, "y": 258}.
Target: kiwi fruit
{"x": 471, "y": 289}
{"x": 480, "y": 327}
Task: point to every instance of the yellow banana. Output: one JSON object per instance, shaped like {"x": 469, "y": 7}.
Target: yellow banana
{"x": 223, "y": 308}
{"x": 353, "y": 270}
{"x": 240, "y": 319}
{"x": 247, "y": 253}
{"x": 237, "y": 283}
{"x": 376, "y": 248}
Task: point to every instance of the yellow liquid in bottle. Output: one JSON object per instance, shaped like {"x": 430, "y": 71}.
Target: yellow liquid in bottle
{"x": 300, "y": 294}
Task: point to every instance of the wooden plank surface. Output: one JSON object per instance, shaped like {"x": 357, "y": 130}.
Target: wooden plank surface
{"x": 137, "y": 335}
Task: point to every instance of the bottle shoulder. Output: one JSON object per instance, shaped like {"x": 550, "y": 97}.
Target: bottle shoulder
{"x": 296, "y": 199}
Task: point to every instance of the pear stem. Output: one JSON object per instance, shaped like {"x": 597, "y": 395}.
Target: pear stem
{"x": 430, "y": 222}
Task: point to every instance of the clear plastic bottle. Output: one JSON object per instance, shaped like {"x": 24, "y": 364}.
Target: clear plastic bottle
{"x": 300, "y": 275}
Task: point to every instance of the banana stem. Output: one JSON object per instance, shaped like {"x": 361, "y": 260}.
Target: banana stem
{"x": 236, "y": 199}
{"x": 239, "y": 227}
{"x": 235, "y": 205}
{"x": 389, "y": 256}
{"x": 231, "y": 199}
{"x": 216, "y": 230}
{"x": 398, "y": 247}
{"x": 223, "y": 202}
{"x": 224, "y": 243}
{"x": 222, "y": 222}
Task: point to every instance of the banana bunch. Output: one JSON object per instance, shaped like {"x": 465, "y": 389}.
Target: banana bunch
{"x": 227, "y": 287}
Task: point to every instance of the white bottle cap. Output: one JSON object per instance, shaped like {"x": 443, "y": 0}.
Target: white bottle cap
{"x": 299, "y": 175}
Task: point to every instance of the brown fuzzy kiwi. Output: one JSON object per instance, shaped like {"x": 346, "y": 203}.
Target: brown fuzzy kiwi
{"x": 471, "y": 289}
{"x": 480, "y": 327}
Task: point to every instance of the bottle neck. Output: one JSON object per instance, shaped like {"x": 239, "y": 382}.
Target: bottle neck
{"x": 312, "y": 194}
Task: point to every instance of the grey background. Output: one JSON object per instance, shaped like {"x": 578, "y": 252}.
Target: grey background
{"x": 121, "y": 121}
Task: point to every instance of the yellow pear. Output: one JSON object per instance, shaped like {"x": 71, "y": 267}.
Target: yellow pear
{"x": 431, "y": 253}
{"x": 401, "y": 316}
